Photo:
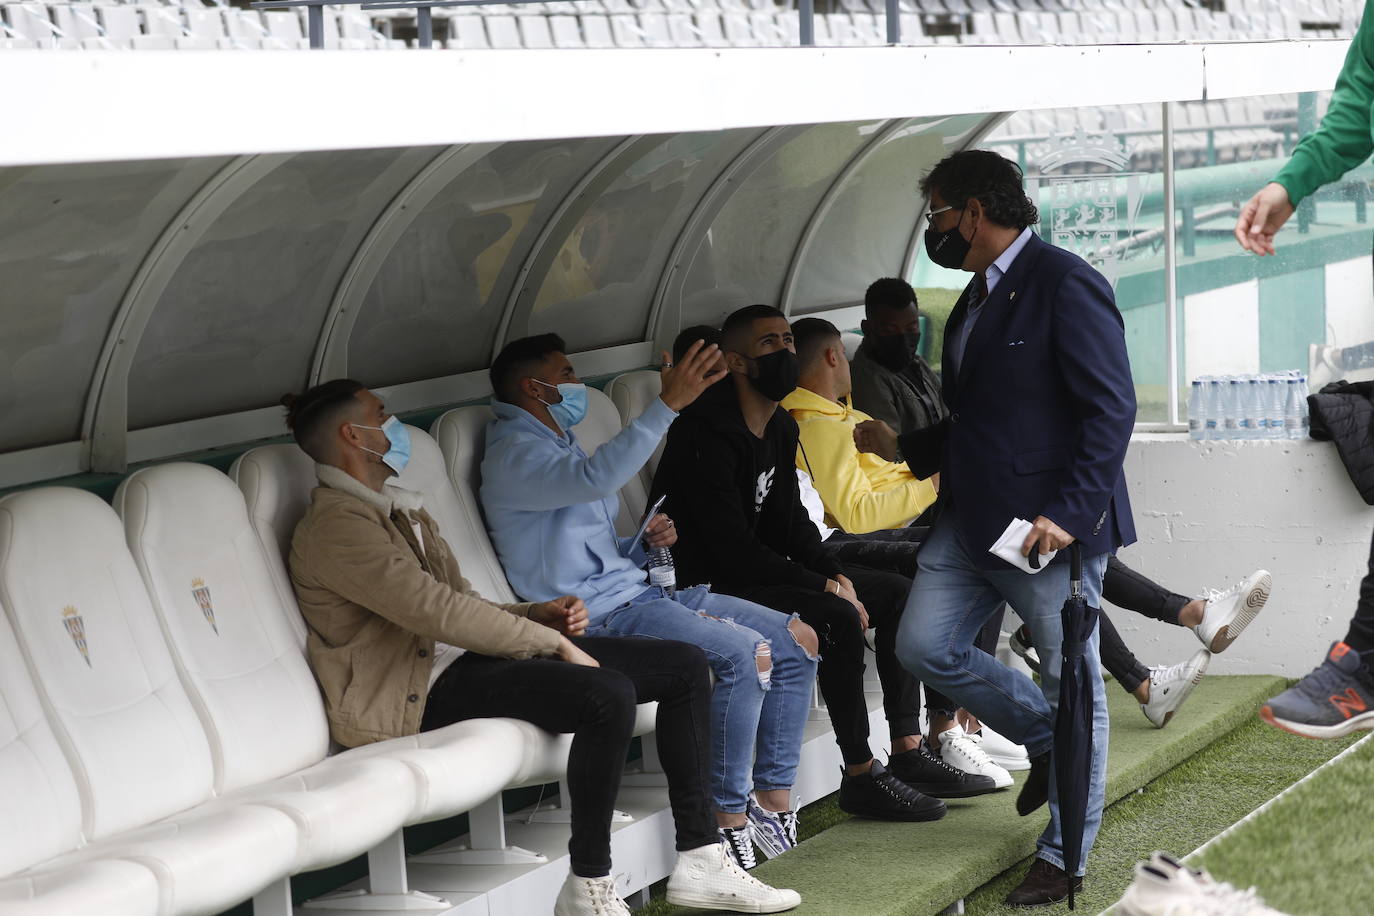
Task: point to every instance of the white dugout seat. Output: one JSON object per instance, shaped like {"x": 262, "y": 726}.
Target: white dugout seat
{"x": 632, "y": 393}
{"x": 137, "y": 756}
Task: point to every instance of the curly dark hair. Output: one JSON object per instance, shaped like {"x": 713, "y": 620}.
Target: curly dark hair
{"x": 994, "y": 180}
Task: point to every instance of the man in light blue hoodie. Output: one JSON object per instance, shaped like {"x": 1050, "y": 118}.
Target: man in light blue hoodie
{"x": 551, "y": 511}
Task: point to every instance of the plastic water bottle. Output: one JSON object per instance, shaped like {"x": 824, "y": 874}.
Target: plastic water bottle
{"x": 1252, "y": 421}
{"x": 1215, "y": 421}
{"x": 1197, "y": 421}
{"x": 1275, "y": 392}
{"x": 662, "y": 572}
{"x": 1231, "y": 409}
{"x": 1293, "y": 409}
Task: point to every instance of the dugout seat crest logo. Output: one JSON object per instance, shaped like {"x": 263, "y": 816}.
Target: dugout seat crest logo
{"x": 76, "y": 629}
{"x": 201, "y": 591}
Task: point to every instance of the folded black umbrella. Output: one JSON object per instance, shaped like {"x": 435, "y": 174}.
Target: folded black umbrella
{"x": 1073, "y": 724}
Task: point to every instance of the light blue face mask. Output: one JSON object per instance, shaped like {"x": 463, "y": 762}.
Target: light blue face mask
{"x": 570, "y": 411}
{"x": 398, "y": 454}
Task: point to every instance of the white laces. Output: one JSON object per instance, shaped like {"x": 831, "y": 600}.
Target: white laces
{"x": 730, "y": 865}
{"x": 971, "y": 747}
{"x": 1213, "y": 594}
{"x": 604, "y": 898}
{"x": 1171, "y": 673}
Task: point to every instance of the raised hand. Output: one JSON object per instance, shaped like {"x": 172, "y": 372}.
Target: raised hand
{"x": 695, "y": 372}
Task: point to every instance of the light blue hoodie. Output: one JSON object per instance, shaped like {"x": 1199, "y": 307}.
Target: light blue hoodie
{"x": 551, "y": 509}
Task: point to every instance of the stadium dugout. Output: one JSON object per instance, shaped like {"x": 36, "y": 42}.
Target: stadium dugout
{"x": 184, "y": 238}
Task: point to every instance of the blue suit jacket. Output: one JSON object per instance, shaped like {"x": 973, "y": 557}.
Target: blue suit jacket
{"x": 1041, "y": 409}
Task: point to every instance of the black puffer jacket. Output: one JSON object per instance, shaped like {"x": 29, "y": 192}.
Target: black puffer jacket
{"x": 1343, "y": 412}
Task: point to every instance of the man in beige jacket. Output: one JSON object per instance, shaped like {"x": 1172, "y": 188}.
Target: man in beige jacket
{"x": 400, "y": 644}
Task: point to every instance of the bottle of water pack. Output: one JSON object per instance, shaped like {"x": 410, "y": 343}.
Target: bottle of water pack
{"x": 662, "y": 572}
{"x": 1197, "y": 420}
{"x": 1233, "y": 408}
{"x": 1294, "y": 409}
{"x": 1216, "y": 409}
{"x": 1252, "y": 413}
{"x": 1275, "y": 397}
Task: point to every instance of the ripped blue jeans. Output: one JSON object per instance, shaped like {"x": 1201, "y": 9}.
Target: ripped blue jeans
{"x": 754, "y": 715}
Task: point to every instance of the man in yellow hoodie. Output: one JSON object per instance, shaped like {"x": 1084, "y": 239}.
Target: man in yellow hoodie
{"x": 861, "y": 492}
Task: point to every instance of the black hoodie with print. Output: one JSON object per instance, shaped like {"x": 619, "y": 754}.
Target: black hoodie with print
{"x": 734, "y": 499}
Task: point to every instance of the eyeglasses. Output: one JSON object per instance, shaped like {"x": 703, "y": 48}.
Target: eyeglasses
{"x": 931, "y": 214}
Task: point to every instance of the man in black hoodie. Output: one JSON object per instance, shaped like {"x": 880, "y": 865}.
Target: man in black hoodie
{"x": 727, "y": 472}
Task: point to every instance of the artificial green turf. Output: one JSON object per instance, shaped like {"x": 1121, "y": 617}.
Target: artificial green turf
{"x": 1311, "y": 853}
{"x": 1180, "y": 811}
{"x": 873, "y": 868}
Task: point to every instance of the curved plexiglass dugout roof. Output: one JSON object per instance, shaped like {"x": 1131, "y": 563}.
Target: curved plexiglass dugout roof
{"x": 179, "y": 247}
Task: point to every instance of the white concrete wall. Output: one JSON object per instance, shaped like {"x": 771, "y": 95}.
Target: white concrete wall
{"x": 1208, "y": 513}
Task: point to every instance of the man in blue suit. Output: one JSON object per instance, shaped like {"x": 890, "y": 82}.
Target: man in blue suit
{"x": 1041, "y": 405}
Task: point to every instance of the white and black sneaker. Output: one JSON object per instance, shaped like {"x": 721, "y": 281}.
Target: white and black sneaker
{"x": 1170, "y": 686}
{"x": 739, "y": 843}
{"x": 775, "y": 832}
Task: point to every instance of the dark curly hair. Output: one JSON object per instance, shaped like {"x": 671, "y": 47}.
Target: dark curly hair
{"x": 994, "y": 180}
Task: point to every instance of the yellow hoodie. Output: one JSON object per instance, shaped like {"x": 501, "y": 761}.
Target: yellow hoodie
{"x": 861, "y": 492}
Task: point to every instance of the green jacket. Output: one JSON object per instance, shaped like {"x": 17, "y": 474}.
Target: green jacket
{"x": 1344, "y": 139}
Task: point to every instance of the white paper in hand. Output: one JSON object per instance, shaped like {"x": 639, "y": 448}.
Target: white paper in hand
{"x": 1008, "y": 547}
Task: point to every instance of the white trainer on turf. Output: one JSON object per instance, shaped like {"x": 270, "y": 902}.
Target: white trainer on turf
{"x": 708, "y": 877}
{"x": 1170, "y": 686}
{"x": 961, "y": 751}
{"x": 1228, "y": 613}
{"x": 589, "y": 897}
{"x": 1002, "y": 751}
{"x": 1166, "y": 887}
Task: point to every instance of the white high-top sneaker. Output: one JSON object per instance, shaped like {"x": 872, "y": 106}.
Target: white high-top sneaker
{"x": 707, "y": 877}
{"x": 589, "y": 897}
{"x": 961, "y": 751}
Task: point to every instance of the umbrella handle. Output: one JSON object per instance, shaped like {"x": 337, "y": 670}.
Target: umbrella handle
{"x": 1075, "y": 570}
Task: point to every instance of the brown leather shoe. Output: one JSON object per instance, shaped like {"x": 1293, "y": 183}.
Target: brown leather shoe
{"x": 1044, "y": 883}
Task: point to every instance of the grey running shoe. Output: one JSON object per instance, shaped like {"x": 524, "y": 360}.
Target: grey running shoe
{"x": 1332, "y": 701}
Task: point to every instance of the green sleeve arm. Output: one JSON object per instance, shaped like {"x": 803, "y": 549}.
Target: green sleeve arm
{"x": 1343, "y": 140}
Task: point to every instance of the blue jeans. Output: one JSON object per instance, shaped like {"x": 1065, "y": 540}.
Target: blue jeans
{"x": 949, "y": 603}
{"x": 753, "y": 715}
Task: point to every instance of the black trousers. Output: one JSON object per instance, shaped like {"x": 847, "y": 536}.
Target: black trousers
{"x": 895, "y": 550}
{"x": 597, "y": 706}
{"x": 841, "y": 672}
{"x": 1360, "y": 636}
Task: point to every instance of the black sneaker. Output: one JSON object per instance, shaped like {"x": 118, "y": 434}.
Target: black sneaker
{"x": 879, "y": 795}
{"x": 930, "y": 775}
{"x": 739, "y": 843}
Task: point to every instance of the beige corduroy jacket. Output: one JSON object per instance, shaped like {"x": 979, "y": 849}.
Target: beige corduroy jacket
{"x": 375, "y": 602}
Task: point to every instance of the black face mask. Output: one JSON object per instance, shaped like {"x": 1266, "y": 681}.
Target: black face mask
{"x": 895, "y": 351}
{"x": 948, "y": 248}
{"x": 775, "y": 374}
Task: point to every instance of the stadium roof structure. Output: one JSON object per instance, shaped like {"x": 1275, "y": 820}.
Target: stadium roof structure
{"x": 184, "y": 244}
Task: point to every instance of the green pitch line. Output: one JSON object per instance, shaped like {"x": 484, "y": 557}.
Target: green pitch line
{"x": 1311, "y": 853}
{"x": 1214, "y": 778}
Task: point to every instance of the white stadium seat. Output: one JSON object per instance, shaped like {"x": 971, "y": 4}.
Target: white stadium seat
{"x": 38, "y": 791}
{"x": 631, "y": 393}
{"x": 88, "y": 631}
{"x": 189, "y": 532}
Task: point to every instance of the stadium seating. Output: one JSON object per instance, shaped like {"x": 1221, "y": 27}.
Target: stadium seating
{"x": 150, "y": 25}
{"x": 632, "y": 392}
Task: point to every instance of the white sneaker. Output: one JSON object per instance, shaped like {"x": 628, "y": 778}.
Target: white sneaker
{"x": 1228, "y": 613}
{"x": 1170, "y": 686}
{"x": 1001, "y": 751}
{"x": 1020, "y": 644}
{"x": 589, "y": 897}
{"x": 961, "y": 751}
{"x": 707, "y": 877}
{"x": 774, "y": 832}
{"x": 1166, "y": 887}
